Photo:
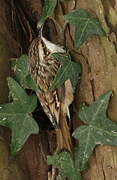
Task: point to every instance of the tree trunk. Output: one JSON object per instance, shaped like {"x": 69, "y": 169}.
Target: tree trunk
{"x": 99, "y": 75}
{"x": 98, "y": 58}
{"x": 9, "y": 168}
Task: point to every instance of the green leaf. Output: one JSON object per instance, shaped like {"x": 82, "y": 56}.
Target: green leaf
{"x": 85, "y": 26}
{"x": 17, "y": 116}
{"x": 68, "y": 70}
{"x": 22, "y": 74}
{"x": 48, "y": 10}
{"x": 20, "y": 68}
{"x": 98, "y": 129}
{"x": 65, "y": 164}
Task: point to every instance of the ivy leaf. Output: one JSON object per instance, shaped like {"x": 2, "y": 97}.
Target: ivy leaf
{"x": 17, "y": 116}
{"x": 85, "y": 26}
{"x": 20, "y": 68}
{"x": 22, "y": 74}
{"x": 68, "y": 70}
{"x": 48, "y": 10}
{"x": 65, "y": 164}
{"x": 98, "y": 129}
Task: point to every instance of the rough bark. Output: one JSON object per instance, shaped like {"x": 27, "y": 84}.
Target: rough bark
{"x": 98, "y": 58}
{"x": 9, "y": 168}
{"x": 16, "y": 33}
{"x": 100, "y": 55}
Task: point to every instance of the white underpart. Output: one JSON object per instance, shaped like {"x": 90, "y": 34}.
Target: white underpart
{"x": 41, "y": 52}
{"x": 52, "y": 47}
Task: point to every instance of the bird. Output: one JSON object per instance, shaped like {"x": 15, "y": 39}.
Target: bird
{"x": 43, "y": 68}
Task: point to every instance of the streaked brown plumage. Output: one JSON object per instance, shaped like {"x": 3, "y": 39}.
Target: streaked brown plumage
{"x": 43, "y": 68}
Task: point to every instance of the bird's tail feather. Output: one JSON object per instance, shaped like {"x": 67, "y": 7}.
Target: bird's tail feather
{"x": 63, "y": 135}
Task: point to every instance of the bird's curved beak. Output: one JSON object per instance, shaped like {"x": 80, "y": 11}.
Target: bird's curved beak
{"x": 40, "y": 29}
